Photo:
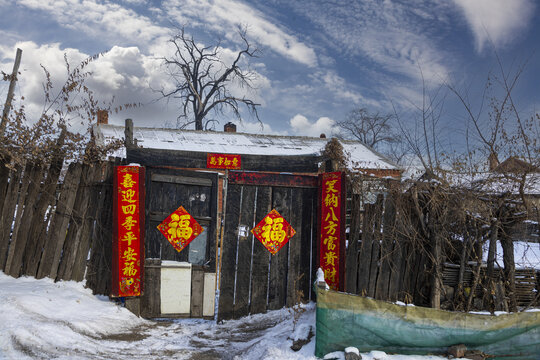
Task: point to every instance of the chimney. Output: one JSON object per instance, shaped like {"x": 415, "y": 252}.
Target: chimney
{"x": 493, "y": 161}
{"x": 229, "y": 127}
{"x": 102, "y": 117}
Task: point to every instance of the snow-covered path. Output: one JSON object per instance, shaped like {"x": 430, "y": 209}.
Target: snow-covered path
{"x": 43, "y": 319}
{"x": 40, "y": 319}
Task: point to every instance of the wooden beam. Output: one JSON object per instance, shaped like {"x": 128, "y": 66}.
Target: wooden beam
{"x": 197, "y": 160}
{"x": 11, "y": 90}
{"x": 175, "y": 179}
{"x": 272, "y": 179}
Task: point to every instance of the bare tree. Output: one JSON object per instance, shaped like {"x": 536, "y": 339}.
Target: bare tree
{"x": 376, "y": 131}
{"x": 371, "y": 129}
{"x": 500, "y": 130}
{"x": 69, "y": 112}
{"x": 203, "y": 80}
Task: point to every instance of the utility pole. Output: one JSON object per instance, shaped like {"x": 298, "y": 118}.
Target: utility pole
{"x": 11, "y": 90}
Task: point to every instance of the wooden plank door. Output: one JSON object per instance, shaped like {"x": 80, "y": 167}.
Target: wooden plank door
{"x": 252, "y": 280}
{"x": 166, "y": 190}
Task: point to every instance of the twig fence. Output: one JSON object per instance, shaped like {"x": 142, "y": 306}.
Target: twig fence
{"x": 388, "y": 259}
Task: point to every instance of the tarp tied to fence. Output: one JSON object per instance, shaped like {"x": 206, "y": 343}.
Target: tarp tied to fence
{"x": 345, "y": 320}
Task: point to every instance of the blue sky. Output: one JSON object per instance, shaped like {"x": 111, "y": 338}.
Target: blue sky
{"x": 319, "y": 59}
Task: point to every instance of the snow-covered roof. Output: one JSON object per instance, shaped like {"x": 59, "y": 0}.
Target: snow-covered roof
{"x": 485, "y": 182}
{"x": 507, "y": 183}
{"x": 360, "y": 156}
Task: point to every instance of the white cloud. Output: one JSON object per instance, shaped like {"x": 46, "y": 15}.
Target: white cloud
{"x": 388, "y": 34}
{"x": 301, "y": 126}
{"x": 33, "y": 76}
{"x": 496, "y": 21}
{"x": 135, "y": 2}
{"x": 339, "y": 86}
{"x": 123, "y": 73}
{"x": 105, "y": 21}
{"x": 224, "y": 15}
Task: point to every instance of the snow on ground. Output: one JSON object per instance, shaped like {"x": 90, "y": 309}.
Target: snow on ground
{"x": 40, "y": 319}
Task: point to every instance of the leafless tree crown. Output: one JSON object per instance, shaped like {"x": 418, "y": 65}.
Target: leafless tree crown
{"x": 371, "y": 129}
{"x": 203, "y": 81}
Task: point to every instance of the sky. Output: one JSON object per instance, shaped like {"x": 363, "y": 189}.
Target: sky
{"x": 318, "y": 59}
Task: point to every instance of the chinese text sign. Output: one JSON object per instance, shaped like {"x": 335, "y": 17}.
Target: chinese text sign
{"x": 223, "y": 161}
{"x": 128, "y": 244}
{"x": 331, "y": 228}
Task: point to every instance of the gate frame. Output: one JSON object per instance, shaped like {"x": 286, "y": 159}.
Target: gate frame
{"x": 236, "y": 180}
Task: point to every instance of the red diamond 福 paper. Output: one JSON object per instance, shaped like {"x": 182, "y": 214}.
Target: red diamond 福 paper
{"x": 273, "y": 231}
{"x": 180, "y": 228}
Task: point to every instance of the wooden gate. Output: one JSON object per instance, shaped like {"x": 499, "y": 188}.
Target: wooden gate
{"x": 252, "y": 280}
{"x": 196, "y": 191}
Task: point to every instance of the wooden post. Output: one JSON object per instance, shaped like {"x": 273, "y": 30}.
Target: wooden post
{"x": 222, "y": 226}
{"x": 351, "y": 264}
{"x": 7, "y": 213}
{"x": 36, "y": 235}
{"x": 436, "y": 287}
{"x": 459, "y": 297}
{"x": 128, "y": 134}
{"x": 11, "y": 90}
{"x": 386, "y": 251}
{"x": 52, "y": 252}
{"x": 509, "y": 270}
{"x": 19, "y": 242}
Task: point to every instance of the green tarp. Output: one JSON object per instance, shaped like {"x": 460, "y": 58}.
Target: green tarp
{"x": 349, "y": 320}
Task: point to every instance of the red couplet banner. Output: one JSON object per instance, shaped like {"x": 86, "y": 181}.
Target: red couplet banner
{"x": 128, "y": 242}
{"x": 332, "y": 225}
{"x": 223, "y": 161}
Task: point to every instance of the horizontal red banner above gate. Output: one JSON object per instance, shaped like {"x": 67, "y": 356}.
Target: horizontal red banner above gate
{"x": 223, "y": 161}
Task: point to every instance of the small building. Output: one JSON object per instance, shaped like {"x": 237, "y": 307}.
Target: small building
{"x": 273, "y": 172}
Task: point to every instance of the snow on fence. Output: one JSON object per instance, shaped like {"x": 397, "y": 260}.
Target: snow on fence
{"x": 57, "y": 225}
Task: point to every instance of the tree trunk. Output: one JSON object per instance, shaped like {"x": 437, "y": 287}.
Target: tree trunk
{"x": 459, "y": 297}
{"x": 436, "y": 281}
{"x": 492, "y": 254}
{"x": 509, "y": 271}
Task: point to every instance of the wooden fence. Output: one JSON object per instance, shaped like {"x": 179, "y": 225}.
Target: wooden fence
{"x": 55, "y": 224}
{"x": 388, "y": 260}
{"x": 378, "y": 264}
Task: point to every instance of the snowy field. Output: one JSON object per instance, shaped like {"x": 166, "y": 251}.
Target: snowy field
{"x": 40, "y": 319}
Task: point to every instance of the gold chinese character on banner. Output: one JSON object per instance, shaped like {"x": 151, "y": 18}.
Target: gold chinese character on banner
{"x": 127, "y": 181}
{"x": 129, "y": 237}
{"x": 273, "y": 231}
{"x": 129, "y": 209}
{"x": 180, "y": 228}
{"x": 130, "y": 255}
{"x": 129, "y": 222}
{"x": 129, "y": 268}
